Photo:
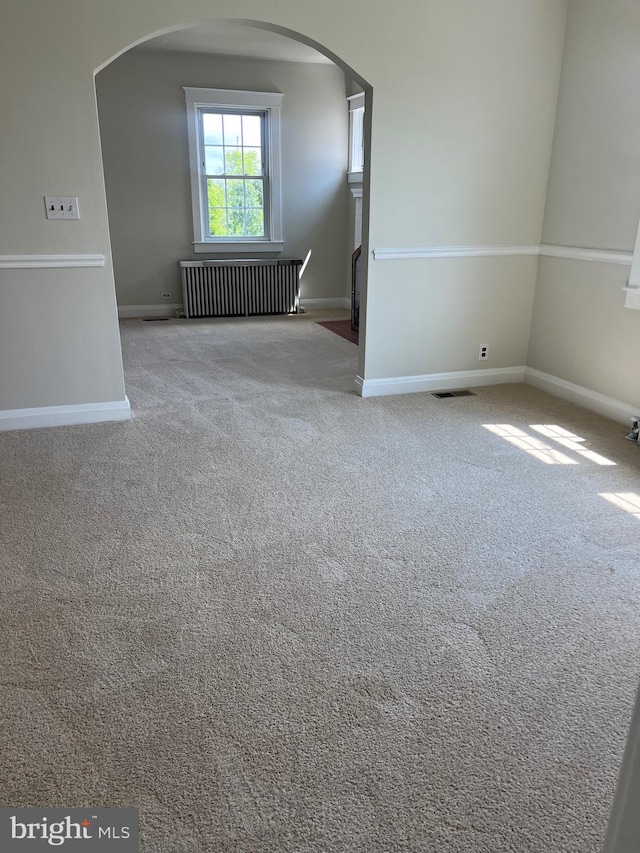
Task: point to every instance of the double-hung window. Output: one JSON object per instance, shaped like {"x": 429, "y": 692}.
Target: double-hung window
{"x": 234, "y": 151}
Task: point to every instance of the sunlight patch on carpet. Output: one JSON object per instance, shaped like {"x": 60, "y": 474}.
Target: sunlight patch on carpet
{"x": 628, "y": 501}
{"x": 570, "y": 441}
{"x": 530, "y": 444}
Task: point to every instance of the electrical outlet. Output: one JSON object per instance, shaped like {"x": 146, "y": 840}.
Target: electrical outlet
{"x": 166, "y": 295}
{"x": 483, "y": 352}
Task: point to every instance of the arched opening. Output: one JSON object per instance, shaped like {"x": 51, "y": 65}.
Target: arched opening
{"x": 145, "y": 145}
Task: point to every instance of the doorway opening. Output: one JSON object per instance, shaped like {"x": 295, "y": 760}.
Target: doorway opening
{"x": 146, "y": 159}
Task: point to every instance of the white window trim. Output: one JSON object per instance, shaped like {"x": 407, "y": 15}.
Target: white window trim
{"x": 270, "y": 101}
{"x": 356, "y": 137}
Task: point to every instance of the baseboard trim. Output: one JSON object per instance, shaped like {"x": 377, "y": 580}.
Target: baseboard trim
{"x": 608, "y": 407}
{"x": 141, "y": 312}
{"x": 437, "y": 381}
{"x": 328, "y": 304}
{"x": 55, "y": 416}
{"x": 615, "y": 410}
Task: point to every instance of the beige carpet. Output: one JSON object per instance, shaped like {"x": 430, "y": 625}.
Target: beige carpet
{"x": 278, "y": 617}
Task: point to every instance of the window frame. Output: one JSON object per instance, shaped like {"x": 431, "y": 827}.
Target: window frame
{"x": 356, "y": 137}
{"x": 268, "y": 103}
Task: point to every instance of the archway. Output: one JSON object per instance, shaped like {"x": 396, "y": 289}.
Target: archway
{"x": 149, "y": 263}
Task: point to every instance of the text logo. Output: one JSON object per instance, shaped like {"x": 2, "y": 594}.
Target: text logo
{"x": 101, "y": 830}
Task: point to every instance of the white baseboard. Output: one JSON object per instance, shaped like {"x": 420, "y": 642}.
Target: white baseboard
{"x": 615, "y": 410}
{"x": 54, "y": 416}
{"x": 321, "y": 304}
{"x": 131, "y": 312}
{"x": 437, "y": 381}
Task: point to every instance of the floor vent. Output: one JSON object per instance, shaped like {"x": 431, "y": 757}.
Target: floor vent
{"x": 442, "y": 394}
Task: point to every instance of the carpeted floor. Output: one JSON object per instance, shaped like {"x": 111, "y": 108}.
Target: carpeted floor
{"x": 277, "y": 617}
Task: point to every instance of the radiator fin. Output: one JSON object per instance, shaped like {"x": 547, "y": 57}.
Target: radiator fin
{"x": 241, "y": 287}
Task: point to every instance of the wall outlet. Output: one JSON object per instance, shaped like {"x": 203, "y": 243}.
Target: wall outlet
{"x": 167, "y": 295}
{"x": 483, "y": 352}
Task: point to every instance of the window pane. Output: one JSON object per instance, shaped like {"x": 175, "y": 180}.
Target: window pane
{"x": 252, "y": 131}
{"x": 214, "y": 160}
{"x": 233, "y": 161}
{"x": 212, "y": 127}
{"x": 218, "y": 222}
{"x": 255, "y": 222}
{"x": 235, "y": 193}
{"x": 252, "y": 161}
{"x": 216, "y": 193}
{"x": 216, "y": 202}
{"x": 236, "y": 222}
{"x": 232, "y": 129}
{"x": 254, "y": 193}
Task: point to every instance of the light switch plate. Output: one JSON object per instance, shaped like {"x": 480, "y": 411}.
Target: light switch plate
{"x": 61, "y": 206}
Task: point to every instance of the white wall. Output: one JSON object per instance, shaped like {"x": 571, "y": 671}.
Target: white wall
{"x": 478, "y": 105}
{"x": 581, "y": 331}
{"x": 445, "y": 308}
{"x": 623, "y": 832}
{"x": 463, "y": 106}
{"x": 146, "y": 161}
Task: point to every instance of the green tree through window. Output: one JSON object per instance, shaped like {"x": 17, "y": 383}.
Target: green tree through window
{"x": 235, "y": 179}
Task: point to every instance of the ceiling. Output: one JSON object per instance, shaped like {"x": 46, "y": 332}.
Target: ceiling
{"x": 235, "y": 38}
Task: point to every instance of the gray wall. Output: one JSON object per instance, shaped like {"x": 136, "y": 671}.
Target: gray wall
{"x": 581, "y": 331}
{"x": 146, "y": 165}
{"x": 471, "y": 87}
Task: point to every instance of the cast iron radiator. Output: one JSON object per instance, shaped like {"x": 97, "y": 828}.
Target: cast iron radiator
{"x": 240, "y": 287}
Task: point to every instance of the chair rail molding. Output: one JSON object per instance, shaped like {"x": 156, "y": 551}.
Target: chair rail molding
{"x": 576, "y": 253}
{"x": 31, "y": 262}
{"x": 400, "y": 253}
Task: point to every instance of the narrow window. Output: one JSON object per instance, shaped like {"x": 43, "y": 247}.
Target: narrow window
{"x": 235, "y": 169}
{"x": 356, "y": 136}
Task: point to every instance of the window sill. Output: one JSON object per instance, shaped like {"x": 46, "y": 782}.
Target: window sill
{"x": 354, "y": 177}
{"x": 249, "y": 246}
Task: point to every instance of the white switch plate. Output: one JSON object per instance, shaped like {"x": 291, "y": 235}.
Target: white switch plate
{"x": 61, "y": 206}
